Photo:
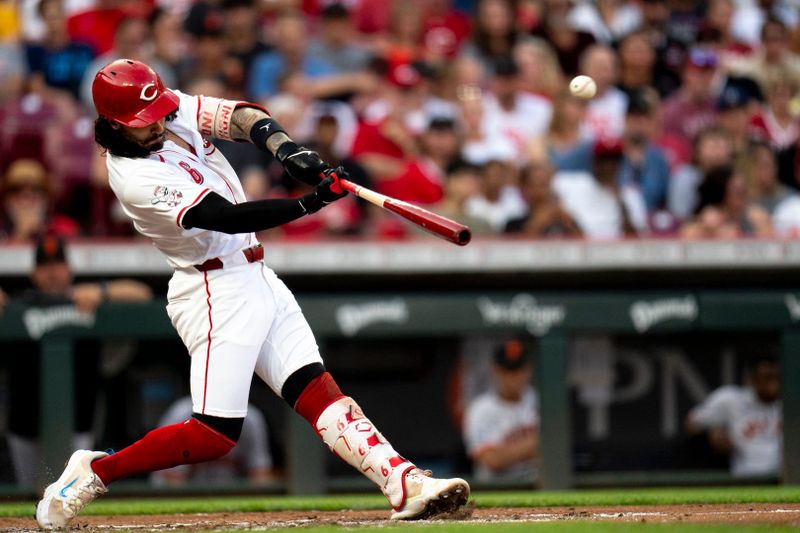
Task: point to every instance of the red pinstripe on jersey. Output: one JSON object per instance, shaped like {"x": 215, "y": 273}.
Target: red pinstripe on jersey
{"x": 208, "y": 347}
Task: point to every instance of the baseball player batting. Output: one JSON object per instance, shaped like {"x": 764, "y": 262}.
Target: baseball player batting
{"x": 232, "y": 312}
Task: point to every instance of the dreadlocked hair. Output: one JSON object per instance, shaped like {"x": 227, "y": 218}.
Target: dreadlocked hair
{"x": 114, "y": 142}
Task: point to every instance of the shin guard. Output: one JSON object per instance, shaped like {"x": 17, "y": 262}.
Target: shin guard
{"x": 351, "y": 436}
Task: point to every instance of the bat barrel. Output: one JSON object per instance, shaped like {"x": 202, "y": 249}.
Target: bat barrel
{"x": 438, "y": 225}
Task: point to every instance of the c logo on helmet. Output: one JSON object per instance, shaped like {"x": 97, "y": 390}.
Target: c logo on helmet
{"x": 151, "y": 96}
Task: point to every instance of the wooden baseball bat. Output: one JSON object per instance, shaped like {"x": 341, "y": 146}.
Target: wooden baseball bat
{"x": 438, "y": 225}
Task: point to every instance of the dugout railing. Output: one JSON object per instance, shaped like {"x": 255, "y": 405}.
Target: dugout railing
{"x": 552, "y": 317}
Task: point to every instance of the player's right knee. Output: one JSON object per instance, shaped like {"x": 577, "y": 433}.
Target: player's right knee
{"x": 230, "y": 427}
{"x": 299, "y": 380}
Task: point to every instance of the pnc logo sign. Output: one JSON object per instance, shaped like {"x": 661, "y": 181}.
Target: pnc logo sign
{"x": 149, "y": 92}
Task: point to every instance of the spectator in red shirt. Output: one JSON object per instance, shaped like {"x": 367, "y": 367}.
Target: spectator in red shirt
{"x": 98, "y": 25}
{"x": 422, "y": 178}
{"x": 401, "y": 110}
{"x": 27, "y": 208}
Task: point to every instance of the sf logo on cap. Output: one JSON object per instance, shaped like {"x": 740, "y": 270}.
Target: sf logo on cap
{"x": 149, "y": 96}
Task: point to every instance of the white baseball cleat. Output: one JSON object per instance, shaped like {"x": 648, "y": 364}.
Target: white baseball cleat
{"x": 77, "y": 487}
{"x": 428, "y": 497}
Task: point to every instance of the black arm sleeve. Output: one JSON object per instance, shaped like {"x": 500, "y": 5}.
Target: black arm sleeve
{"x": 217, "y": 214}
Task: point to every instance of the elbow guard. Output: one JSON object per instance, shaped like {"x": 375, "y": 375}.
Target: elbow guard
{"x": 214, "y": 116}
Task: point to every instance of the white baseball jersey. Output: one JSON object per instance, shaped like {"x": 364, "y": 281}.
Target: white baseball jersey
{"x": 753, "y": 427}
{"x": 237, "y": 320}
{"x": 156, "y": 192}
{"x": 489, "y": 420}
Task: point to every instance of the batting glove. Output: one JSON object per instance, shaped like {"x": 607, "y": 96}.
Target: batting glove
{"x": 328, "y": 190}
{"x": 301, "y": 163}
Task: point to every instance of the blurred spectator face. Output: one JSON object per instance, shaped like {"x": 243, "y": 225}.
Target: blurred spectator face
{"x": 495, "y": 177}
{"x": 568, "y": 112}
{"x": 290, "y": 35}
{"x": 636, "y": 52}
{"x": 406, "y": 22}
{"x": 255, "y": 183}
{"x": 207, "y": 87}
{"x": 336, "y": 28}
{"x": 735, "y": 119}
{"x": 468, "y": 72}
{"x": 327, "y": 130}
{"x": 556, "y": 12}
{"x": 779, "y": 93}
{"x": 463, "y": 183}
{"x": 472, "y": 112}
{"x": 766, "y": 381}
{"x": 26, "y": 195}
{"x": 53, "y": 278}
{"x": 655, "y": 12}
{"x": 51, "y": 273}
{"x": 606, "y": 169}
{"x": 699, "y": 72}
{"x": 713, "y": 149}
{"x": 736, "y": 194}
{"x": 765, "y": 168}
{"x": 240, "y": 20}
{"x": 505, "y": 87}
{"x": 528, "y": 59}
{"x": 600, "y": 63}
{"x": 440, "y": 140}
{"x": 53, "y": 17}
{"x": 511, "y": 384}
{"x": 774, "y": 39}
{"x": 720, "y": 15}
{"x": 536, "y": 183}
{"x": 131, "y": 35}
{"x": 539, "y": 70}
{"x": 506, "y": 81}
{"x": 638, "y": 128}
{"x": 496, "y": 17}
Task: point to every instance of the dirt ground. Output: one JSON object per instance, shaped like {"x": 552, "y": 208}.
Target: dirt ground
{"x": 779, "y": 514}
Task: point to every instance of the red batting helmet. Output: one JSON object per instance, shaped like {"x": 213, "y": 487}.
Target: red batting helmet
{"x": 132, "y": 94}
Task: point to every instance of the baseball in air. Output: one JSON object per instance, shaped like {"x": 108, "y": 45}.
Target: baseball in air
{"x": 583, "y": 87}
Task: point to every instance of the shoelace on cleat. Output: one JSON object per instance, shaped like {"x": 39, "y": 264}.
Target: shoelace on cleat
{"x": 84, "y": 493}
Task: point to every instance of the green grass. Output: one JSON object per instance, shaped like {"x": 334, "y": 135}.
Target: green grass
{"x": 656, "y": 496}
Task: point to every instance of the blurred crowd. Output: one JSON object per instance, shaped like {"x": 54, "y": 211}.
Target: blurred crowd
{"x": 461, "y": 106}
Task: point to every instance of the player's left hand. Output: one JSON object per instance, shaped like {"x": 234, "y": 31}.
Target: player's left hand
{"x": 328, "y": 190}
{"x": 301, "y": 163}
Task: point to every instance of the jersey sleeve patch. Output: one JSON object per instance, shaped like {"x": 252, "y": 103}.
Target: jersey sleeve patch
{"x": 163, "y": 194}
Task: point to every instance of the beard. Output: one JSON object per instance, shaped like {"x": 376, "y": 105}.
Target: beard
{"x": 119, "y": 144}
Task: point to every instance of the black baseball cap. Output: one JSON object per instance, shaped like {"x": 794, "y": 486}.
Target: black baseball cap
{"x": 511, "y": 355}
{"x": 50, "y": 249}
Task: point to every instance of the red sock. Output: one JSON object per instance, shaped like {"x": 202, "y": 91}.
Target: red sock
{"x": 319, "y": 394}
{"x": 179, "y": 444}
